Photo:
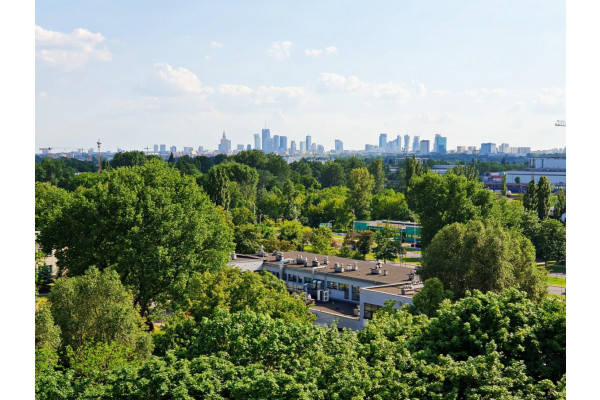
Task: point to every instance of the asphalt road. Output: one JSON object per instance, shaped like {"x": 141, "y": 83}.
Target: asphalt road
{"x": 559, "y": 290}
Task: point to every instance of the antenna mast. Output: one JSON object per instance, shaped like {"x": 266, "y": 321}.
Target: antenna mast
{"x": 99, "y": 160}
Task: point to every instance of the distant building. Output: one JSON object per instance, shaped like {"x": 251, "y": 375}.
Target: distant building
{"x": 200, "y": 149}
{"x": 461, "y": 149}
{"x": 240, "y": 147}
{"x": 156, "y": 148}
{"x": 225, "y": 145}
{"x": 424, "y": 147}
{"x": 292, "y": 147}
{"x": 302, "y": 147}
{"x": 406, "y": 142}
{"x": 313, "y": 147}
{"x": 163, "y": 149}
{"x": 504, "y": 148}
{"x": 439, "y": 144}
{"x": 369, "y": 147}
{"x": 275, "y": 148}
{"x": 523, "y": 151}
{"x": 268, "y": 145}
{"x": 339, "y": 146}
{"x": 488, "y": 148}
{"x": 249, "y": 147}
{"x": 320, "y": 149}
{"x": 308, "y": 143}
{"x": 257, "y": 142}
{"x": 416, "y": 144}
{"x": 173, "y": 149}
{"x": 188, "y": 150}
{"x": 266, "y": 134}
{"x": 382, "y": 141}
{"x": 283, "y": 144}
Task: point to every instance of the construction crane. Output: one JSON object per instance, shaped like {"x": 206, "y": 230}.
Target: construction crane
{"x": 49, "y": 149}
{"x": 560, "y": 122}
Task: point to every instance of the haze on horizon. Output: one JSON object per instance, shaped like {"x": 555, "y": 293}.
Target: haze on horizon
{"x": 135, "y": 75}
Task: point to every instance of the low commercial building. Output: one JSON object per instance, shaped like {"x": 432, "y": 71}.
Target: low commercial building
{"x": 342, "y": 289}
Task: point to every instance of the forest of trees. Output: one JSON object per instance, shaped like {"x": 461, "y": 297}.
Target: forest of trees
{"x": 147, "y": 240}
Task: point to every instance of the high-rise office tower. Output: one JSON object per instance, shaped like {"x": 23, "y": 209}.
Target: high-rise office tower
{"x": 308, "y": 143}
{"x": 257, "y": 142}
{"x": 200, "y": 149}
{"x": 240, "y": 147}
{"x": 266, "y": 134}
{"x": 339, "y": 146}
{"x": 282, "y": 144}
{"x": 225, "y": 145}
{"x": 275, "y": 148}
{"x": 406, "y": 142}
{"x": 268, "y": 145}
{"x": 439, "y": 144}
{"x": 302, "y": 149}
{"x": 416, "y": 143}
{"x": 156, "y": 148}
{"x": 424, "y": 147}
{"x": 292, "y": 147}
{"x": 163, "y": 148}
{"x": 320, "y": 149}
{"x": 503, "y": 148}
{"x": 313, "y": 148}
{"x": 173, "y": 149}
{"x": 249, "y": 147}
{"x": 382, "y": 141}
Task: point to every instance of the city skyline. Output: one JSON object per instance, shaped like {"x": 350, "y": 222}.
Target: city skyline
{"x": 182, "y": 74}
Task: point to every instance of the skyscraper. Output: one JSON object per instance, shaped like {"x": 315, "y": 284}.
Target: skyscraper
{"x": 488, "y": 148}
{"x": 156, "y": 148}
{"x": 266, "y": 134}
{"x": 163, "y": 148}
{"x": 339, "y": 146}
{"x": 406, "y": 142}
{"x": 439, "y": 144}
{"x": 308, "y": 143}
{"x": 282, "y": 144}
{"x": 302, "y": 149}
{"x": 275, "y": 148}
{"x": 257, "y": 142}
{"x": 173, "y": 149}
{"x": 225, "y": 145}
{"x": 424, "y": 147}
{"x": 268, "y": 145}
{"x": 292, "y": 147}
{"x": 416, "y": 141}
{"x": 382, "y": 141}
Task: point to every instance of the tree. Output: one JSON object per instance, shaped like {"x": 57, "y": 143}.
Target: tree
{"x": 332, "y": 175}
{"x": 292, "y": 232}
{"x": 561, "y": 204}
{"x": 128, "y": 159}
{"x": 483, "y": 256}
{"x": 96, "y": 307}
{"x": 219, "y": 187}
{"x": 504, "y": 188}
{"x": 413, "y": 168}
{"x": 247, "y": 238}
{"x": 321, "y": 239}
{"x": 530, "y": 198}
{"x": 431, "y": 296}
{"x": 387, "y": 247}
{"x": 442, "y": 200}
{"x": 365, "y": 242}
{"x": 153, "y": 226}
{"x": 376, "y": 169}
{"x": 47, "y": 340}
{"x": 468, "y": 171}
{"x": 552, "y": 241}
{"x": 390, "y": 205}
{"x": 49, "y": 203}
{"x": 542, "y": 193}
{"x": 361, "y": 184}
{"x": 171, "y": 159}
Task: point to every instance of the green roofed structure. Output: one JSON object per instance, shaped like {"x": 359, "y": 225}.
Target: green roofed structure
{"x": 409, "y": 232}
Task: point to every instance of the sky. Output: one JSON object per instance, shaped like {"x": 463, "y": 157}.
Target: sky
{"x": 134, "y": 74}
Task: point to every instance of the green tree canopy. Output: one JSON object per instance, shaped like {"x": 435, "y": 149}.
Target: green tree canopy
{"x": 482, "y": 255}
{"x": 387, "y": 247}
{"x": 153, "y": 226}
{"x": 442, "y": 200}
{"x": 542, "y": 193}
{"x": 390, "y": 205}
{"x": 365, "y": 242}
{"x": 321, "y": 239}
{"x": 431, "y": 296}
{"x": 376, "y": 170}
{"x": 95, "y": 307}
{"x": 333, "y": 175}
{"x": 128, "y": 159}
{"x": 530, "y": 198}
{"x": 361, "y": 184}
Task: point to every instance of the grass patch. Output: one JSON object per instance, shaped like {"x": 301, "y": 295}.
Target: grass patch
{"x": 557, "y": 268}
{"x": 412, "y": 260}
{"x": 553, "y": 280}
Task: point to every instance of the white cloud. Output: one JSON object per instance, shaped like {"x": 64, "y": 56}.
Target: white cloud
{"x": 422, "y": 90}
{"x": 319, "y": 52}
{"x": 551, "y": 100}
{"x": 386, "y": 92}
{"x": 69, "y": 51}
{"x": 207, "y": 58}
{"x": 280, "y": 50}
{"x": 264, "y": 95}
{"x": 167, "y": 80}
{"x": 42, "y": 95}
{"x": 486, "y": 94}
{"x": 440, "y": 92}
{"x": 216, "y": 44}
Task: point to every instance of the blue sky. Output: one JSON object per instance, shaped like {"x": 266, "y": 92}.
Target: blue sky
{"x": 138, "y": 73}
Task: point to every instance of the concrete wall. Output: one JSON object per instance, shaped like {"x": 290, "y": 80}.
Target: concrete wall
{"x": 326, "y": 318}
{"x": 379, "y": 298}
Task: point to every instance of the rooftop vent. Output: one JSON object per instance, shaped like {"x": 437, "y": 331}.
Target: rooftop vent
{"x": 315, "y": 262}
{"x": 338, "y": 267}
